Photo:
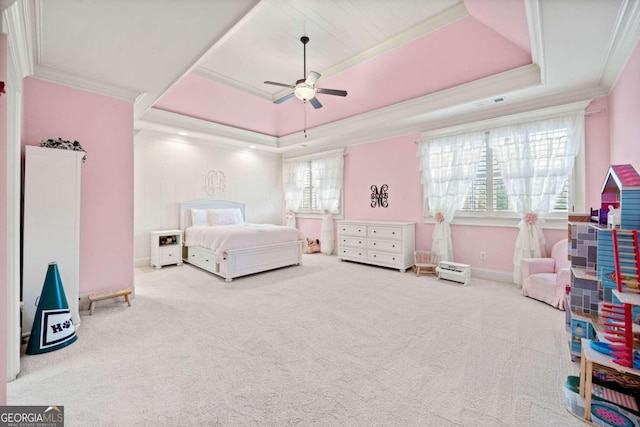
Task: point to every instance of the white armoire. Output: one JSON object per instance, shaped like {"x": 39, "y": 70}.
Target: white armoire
{"x": 51, "y": 226}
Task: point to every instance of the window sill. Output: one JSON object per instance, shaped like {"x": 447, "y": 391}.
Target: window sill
{"x": 512, "y": 222}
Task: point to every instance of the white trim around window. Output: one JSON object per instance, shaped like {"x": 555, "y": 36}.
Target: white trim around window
{"x": 577, "y": 191}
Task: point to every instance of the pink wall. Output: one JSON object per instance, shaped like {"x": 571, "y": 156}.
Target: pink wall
{"x": 597, "y": 162}
{"x": 624, "y": 104}
{"x": 3, "y": 224}
{"x": 104, "y": 127}
{"x": 394, "y": 162}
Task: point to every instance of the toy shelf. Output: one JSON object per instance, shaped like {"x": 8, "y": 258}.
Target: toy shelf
{"x": 627, "y": 297}
{"x": 591, "y": 357}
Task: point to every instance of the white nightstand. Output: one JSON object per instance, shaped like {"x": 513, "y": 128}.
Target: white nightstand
{"x": 166, "y": 247}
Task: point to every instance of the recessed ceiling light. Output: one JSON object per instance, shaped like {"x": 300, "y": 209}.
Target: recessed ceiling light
{"x": 183, "y": 133}
{"x": 252, "y": 146}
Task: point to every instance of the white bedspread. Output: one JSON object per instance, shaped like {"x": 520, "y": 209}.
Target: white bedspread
{"x": 222, "y": 238}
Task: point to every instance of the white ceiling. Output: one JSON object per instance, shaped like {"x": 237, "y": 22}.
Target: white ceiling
{"x": 138, "y": 49}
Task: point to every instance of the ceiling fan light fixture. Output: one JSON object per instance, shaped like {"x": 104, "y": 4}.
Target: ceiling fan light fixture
{"x": 304, "y": 92}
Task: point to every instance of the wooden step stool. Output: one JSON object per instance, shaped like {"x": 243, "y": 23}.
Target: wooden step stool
{"x": 111, "y": 293}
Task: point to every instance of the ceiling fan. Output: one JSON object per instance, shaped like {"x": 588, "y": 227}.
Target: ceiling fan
{"x": 305, "y": 89}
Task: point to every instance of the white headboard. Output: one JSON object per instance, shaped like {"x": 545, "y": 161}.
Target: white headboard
{"x": 185, "y": 209}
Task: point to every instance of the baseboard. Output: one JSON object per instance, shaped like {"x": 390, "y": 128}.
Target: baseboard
{"x": 494, "y": 275}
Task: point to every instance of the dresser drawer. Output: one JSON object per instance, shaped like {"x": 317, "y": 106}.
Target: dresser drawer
{"x": 384, "y": 258}
{"x": 207, "y": 260}
{"x": 385, "y": 232}
{"x": 385, "y": 245}
{"x": 358, "y": 242}
{"x": 352, "y": 253}
{"x": 170, "y": 255}
{"x": 194, "y": 256}
{"x": 352, "y": 230}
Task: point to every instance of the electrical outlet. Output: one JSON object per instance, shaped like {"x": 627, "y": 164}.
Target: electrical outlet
{"x": 483, "y": 255}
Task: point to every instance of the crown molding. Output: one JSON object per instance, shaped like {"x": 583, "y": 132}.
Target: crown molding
{"x": 31, "y": 17}
{"x": 228, "y": 81}
{"x": 66, "y": 78}
{"x": 625, "y": 38}
{"x": 534, "y": 22}
{"x": 18, "y": 21}
{"x": 552, "y": 103}
{"x": 173, "y": 123}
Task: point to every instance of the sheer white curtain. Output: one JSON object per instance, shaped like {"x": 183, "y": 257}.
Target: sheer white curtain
{"x": 448, "y": 166}
{"x": 327, "y": 174}
{"x": 535, "y": 161}
{"x": 293, "y": 180}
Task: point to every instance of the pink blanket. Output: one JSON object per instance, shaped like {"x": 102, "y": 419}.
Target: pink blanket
{"x": 222, "y": 238}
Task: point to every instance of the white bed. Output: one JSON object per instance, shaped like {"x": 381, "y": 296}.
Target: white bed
{"x": 245, "y": 256}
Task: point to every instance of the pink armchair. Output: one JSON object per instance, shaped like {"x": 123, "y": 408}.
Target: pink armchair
{"x": 545, "y": 279}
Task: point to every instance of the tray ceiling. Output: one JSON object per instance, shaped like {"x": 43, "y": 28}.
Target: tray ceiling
{"x": 141, "y": 50}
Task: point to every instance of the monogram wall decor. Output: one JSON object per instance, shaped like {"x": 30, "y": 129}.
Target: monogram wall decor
{"x": 379, "y": 198}
{"x": 214, "y": 182}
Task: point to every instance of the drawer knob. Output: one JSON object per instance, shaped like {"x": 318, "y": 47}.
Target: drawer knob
{"x": 374, "y": 243}
{"x": 359, "y": 253}
{"x": 359, "y": 242}
{"x": 393, "y": 258}
{"x": 393, "y": 232}
{"x": 393, "y": 246}
{"x": 374, "y": 231}
{"x": 374, "y": 256}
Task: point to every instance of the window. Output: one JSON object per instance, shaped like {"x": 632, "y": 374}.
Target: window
{"x": 309, "y": 202}
{"x": 488, "y": 195}
{"x": 312, "y": 185}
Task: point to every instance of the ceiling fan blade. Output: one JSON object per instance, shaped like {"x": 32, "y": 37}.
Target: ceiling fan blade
{"x": 283, "y": 98}
{"x": 316, "y": 104}
{"x": 336, "y": 92}
{"x": 278, "y": 84}
{"x": 312, "y": 78}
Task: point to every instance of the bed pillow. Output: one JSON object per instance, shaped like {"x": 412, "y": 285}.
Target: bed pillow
{"x": 225, "y": 216}
{"x": 199, "y": 217}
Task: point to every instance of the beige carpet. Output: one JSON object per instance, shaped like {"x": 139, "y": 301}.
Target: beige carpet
{"x": 327, "y": 343}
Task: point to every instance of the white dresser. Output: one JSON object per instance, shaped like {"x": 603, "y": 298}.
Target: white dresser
{"x": 384, "y": 243}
